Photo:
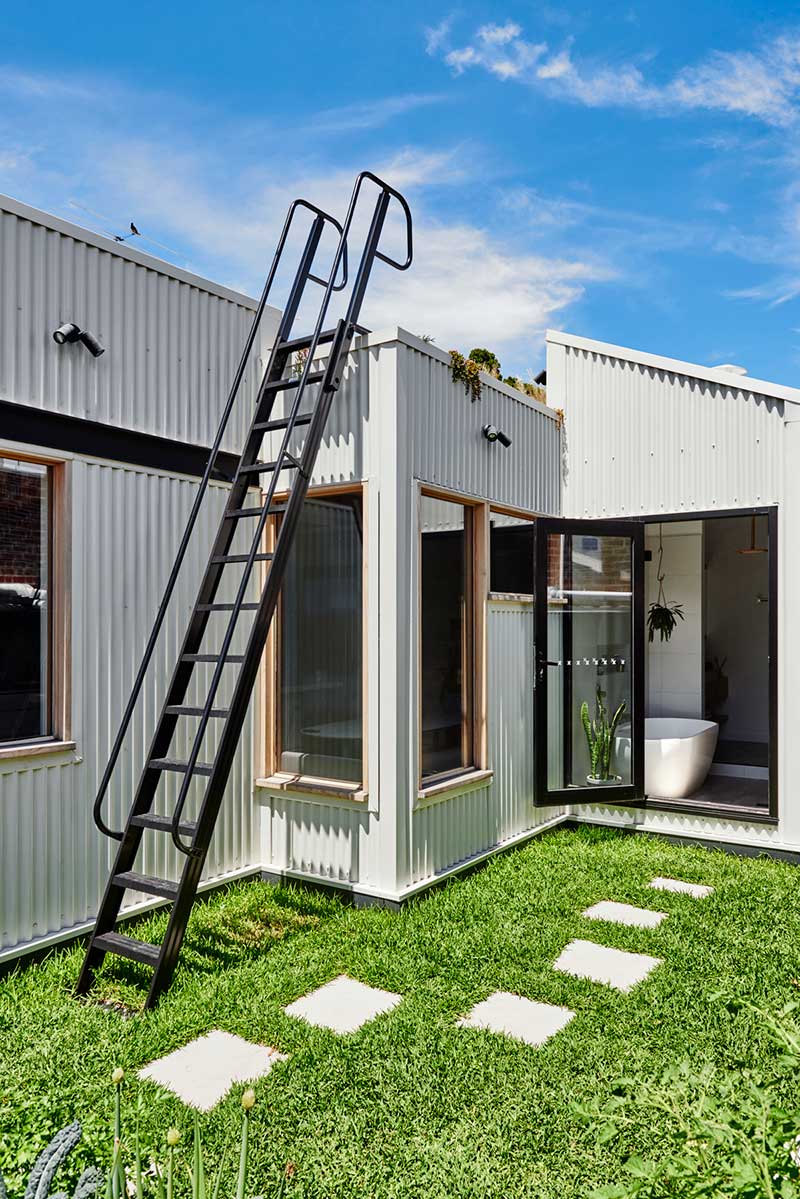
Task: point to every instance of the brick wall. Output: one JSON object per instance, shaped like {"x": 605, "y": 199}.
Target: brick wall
{"x": 20, "y": 527}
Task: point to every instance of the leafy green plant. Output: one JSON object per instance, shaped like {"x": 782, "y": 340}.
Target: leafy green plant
{"x": 466, "y": 371}
{"x": 600, "y": 736}
{"x": 486, "y": 360}
{"x": 662, "y": 617}
{"x": 723, "y": 1134}
{"x": 47, "y": 1164}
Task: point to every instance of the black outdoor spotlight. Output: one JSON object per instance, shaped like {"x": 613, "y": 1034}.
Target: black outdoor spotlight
{"x": 70, "y": 332}
{"x": 492, "y": 433}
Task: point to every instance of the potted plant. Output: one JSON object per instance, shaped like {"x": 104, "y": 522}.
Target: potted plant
{"x": 600, "y": 740}
{"x": 662, "y": 616}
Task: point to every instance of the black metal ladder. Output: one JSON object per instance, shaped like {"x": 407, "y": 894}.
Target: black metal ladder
{"x": 193, "y": 837}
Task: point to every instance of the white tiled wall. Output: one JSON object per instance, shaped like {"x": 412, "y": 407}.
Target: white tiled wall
{"x": 675, "y": 667}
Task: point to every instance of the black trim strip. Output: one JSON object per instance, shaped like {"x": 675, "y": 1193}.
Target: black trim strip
{"x": 73, "y": 434}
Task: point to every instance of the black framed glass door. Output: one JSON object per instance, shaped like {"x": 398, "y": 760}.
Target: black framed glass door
{"x": 589, "y": 630}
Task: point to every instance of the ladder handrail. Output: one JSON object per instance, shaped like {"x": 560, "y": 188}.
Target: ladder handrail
{"x": 369, "y": 254}
{"x": 127, "y": 716}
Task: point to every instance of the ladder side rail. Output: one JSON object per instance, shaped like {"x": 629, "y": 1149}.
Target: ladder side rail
{"x": 313, "y": 439}
{"x": 131, "y": 837}
{"x": 226, "y": 532}
{"x": 331, "y": 382}
{"x": 127, "y": 716}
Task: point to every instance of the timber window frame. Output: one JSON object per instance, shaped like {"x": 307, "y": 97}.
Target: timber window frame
{"x": 57, "y": 735}
{"x": 474, "y": 766}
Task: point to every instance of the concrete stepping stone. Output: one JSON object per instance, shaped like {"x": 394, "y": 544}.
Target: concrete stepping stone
{"x": 343, "y": 1005}
{"x": 696, "y": 890}
{"x": 202, "y": 1072}
{"x": 614, "y": 967}
{"x": 513, "y": 1016}
{"x": 624, "y": 913}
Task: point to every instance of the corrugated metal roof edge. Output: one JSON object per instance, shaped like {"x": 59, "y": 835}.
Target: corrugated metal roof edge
{"x": 397, "y": 334}
{"x": 674, "y": 366}
{"x": 38, "y": 217}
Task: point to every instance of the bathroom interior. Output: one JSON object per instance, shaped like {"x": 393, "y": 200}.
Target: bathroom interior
{"x": 708, "y": 694}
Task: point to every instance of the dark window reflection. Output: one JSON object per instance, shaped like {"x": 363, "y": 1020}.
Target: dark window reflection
{"x": 24, "y": 616}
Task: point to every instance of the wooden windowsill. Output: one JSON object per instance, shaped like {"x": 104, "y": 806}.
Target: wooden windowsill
{"x": 470, "y": 780}
{"x": 35, "y": 749}
{"x": 301, "y": 784}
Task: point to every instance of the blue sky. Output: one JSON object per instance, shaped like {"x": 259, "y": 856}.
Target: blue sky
{"x": 626, "y": 171}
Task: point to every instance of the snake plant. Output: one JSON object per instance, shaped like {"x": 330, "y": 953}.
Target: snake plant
{"x": 47, "y": 1163}
{"x": 600, "y": 736}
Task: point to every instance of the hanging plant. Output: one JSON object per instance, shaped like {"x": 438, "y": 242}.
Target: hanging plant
{"x": 466, "y": 371}
{"x": 663, "y": 617}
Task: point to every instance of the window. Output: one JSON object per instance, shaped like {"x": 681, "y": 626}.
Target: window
{"x": 25, "y": 601}
{"x": 447, "y": 637}
{"x": 511, "y": 554}
{"x": 320, "y": 683}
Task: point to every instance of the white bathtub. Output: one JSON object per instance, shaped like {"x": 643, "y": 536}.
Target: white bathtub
{"x": 677, "y": 755}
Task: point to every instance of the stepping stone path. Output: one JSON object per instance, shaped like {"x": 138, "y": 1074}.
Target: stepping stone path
{"x": 343, "y": 1005}
{"x": 614, "y": 967}
{"x": 514, "y": 1016}
{"x": 696, "y": 890}
{"x": 624, "y": 913}
{"x": 202, "y": 1072}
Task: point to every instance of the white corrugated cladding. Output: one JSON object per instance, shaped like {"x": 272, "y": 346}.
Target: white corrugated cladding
{"x": 400, "y": 419}
{"x": 641, "y": 438}
{"x": 172, "y": 339}
{"x": 646, "y": 435}
{"x": 453, "y": 830}
{"x": 125, "y": 525}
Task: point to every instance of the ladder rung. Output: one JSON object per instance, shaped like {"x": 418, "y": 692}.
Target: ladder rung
{"x": 271, "y": 426}
{"x": 261, "y": 468}
{"x": 182, "y": 710}
{"x": 226, "y": 607}
{"x": 127, "y": 947}
{"x": 225, "y": 558}
{"x": 282, "y": 384}
{"x": 131, "y": 881}
{"x": 212, "y": 658}
{"x": 235, "y": 513}
{"x": 180, "y": 767}
{"x": 304, "y": 343}
{"x": 163, "y": 824}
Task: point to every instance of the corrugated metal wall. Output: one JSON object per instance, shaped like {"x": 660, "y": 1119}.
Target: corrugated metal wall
{"x": 449, "y": 831}
{"x": 172, "y": 340}
{"x": 449, "y": 449}
{"x": 641, "y": 440}
{"x": 125, "y": 525}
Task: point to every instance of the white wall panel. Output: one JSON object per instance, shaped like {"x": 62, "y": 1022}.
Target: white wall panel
{"x": 126, "y": 524}
{"x": 639, "y": 440}
{"x": 172, "y": 340}
{"x": 451, "y": 831}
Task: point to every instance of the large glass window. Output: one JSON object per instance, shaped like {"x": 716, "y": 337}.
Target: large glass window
{"x": 511, "y": 554}
{"x": 24, "y": 601}
{"x": 320, "y": 670}
{"x": 447, "y": 637}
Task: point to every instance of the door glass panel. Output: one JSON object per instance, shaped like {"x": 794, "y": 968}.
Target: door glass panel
{"x": 588, "y": 670}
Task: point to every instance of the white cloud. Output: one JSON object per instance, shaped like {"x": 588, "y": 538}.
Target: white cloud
{"x": 762, "y": 83}
{"x": 372, "y": 114}
{"x": 437, "y": 35}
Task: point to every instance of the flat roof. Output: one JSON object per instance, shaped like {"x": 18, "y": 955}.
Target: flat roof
{"x": 123, "y": 250}
{"x": 673, "y": 366}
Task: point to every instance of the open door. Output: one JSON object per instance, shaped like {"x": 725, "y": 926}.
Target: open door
{"x": 589, "y": 629}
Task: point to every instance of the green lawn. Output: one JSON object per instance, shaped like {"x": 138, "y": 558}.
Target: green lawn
{"x": 412, "y": 1105}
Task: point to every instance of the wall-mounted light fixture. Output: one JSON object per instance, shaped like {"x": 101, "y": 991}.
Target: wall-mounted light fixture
{"x": 492, "y": 433}
{"x": 70, "y": 332}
